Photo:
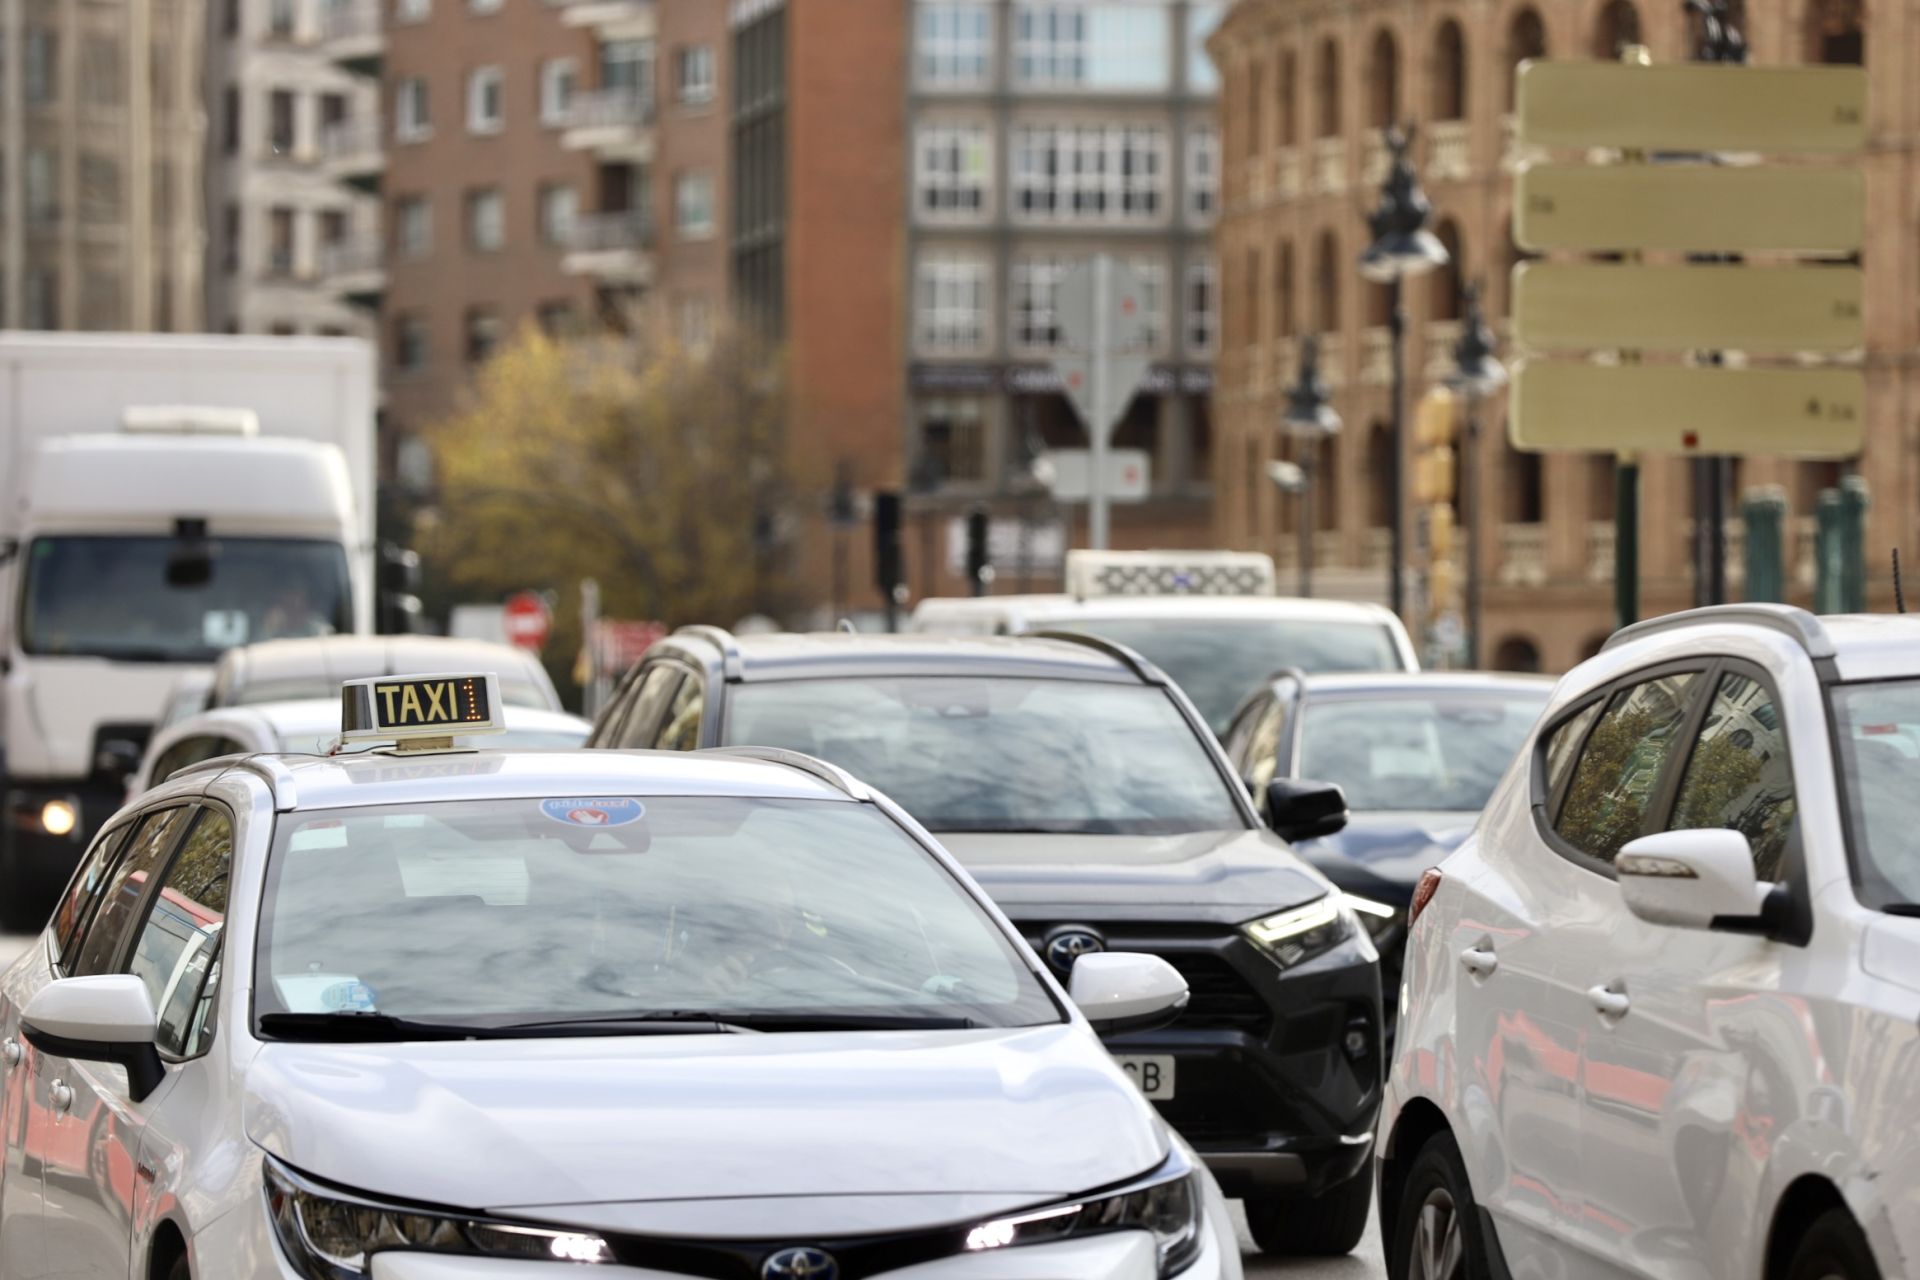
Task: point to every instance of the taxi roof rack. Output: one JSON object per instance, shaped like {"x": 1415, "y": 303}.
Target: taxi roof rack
{"x": 1789, "y": 620}
{"x": 1112, "y": 648}
{"x": 721, "y": 639}
{"x": 268, "y": 768}
{"x": 834, "y": 776}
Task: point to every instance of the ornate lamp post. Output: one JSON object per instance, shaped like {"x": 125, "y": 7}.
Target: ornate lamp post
{"x": 1308, "y": 418}
{"x": 1477, "y": 373}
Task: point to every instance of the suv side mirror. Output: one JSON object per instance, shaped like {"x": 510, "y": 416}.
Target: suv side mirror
{"x": 1302, "y": 810}
{"x": 1691, "y": 879}
{"x": 106, "y": 1018}
{"x": 1122, "y": 991}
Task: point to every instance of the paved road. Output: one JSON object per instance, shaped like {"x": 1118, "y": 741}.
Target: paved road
{"x": 1365, "y": 1264}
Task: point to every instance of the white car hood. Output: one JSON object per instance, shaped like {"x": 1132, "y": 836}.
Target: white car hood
{"x": 948, "y": 1121}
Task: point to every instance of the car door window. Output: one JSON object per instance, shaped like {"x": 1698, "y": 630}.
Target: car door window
{"x": 681, "y": 732}
{"x": 100, "y": 950}
{"x": 81, "y": 896}
{"x": 178, "y": 950}
{"x": 650, "y": 700}
{"x": 1620, "y": 766}
{"x": 1263, "y": 752}
{"x": 613, "y": 716}
{"x": 1738, "y": 775}
{"x": 1563, "y": 747}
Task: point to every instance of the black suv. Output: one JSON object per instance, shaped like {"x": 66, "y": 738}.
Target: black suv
{"x": 1086, "y": 795}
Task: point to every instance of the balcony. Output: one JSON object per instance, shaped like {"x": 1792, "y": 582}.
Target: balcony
{"x": 1442, "y": 335}
{"x": 1289, "y": 174}
{"x": 1329, "y": 166}
{"x": 1523, "y": 555}
{"x": 615, "y": 124}
{"x": 354, "y": 36}
{"x": 1376, "y": 550}
{"x": 1333, "y": 361}
{"x": 1447, "y": 151}
{"x": 1376, "y": 356}
{"x": 1375, "y": 158}
{"x": 355, "y": 269}
{"x": 611, "y": 19}
{"x": 611, "y": 247}
{"x": 1285, "y": 364}
{"x": 353, "y": 152}
{"x": 1602, "y": 536}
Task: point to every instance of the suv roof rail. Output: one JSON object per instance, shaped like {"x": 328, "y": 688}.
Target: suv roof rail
{"x": 833, "y": 775}
{"x": 1112, "y": 648}
{"x": 1789, "y": 620}
{"x": 721, "y": 639}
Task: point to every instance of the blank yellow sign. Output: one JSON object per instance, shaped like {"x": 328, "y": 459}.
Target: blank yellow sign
{"x": 1734, "y": 307}
{"x": 1689, "y": 208}
{"x": 1806, "y": 413}
{"x": 1683, "y": 106}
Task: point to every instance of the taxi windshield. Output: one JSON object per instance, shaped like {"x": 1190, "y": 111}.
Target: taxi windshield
{"x": 508, "y": 911}
{"x": 973, "y": 753}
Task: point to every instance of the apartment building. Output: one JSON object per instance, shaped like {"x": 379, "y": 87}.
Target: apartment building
{"x": 100, "y": 164}
{"x": 1307, "y": 94}
{"x": 294, "y": 159}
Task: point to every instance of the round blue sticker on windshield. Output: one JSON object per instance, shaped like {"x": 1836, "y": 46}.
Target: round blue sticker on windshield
{"x": 601, "y": 812}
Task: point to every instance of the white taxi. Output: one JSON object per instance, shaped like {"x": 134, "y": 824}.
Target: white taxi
{"x": 1662, "y": 1011}
{"x": 423, "y": 1013}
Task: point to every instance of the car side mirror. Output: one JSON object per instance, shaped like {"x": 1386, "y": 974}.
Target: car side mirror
{"x": 1301, "y": 810}
{"x": 1691, "y": 879}
{"x": 1121, "y": 991}
{"x": 107, "y": 1018}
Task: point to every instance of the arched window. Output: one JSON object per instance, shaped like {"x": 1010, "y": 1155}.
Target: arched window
{"x": 1253, "y": 295}
{"x": 1443, "y": 283}
{"x": 1287, "y": 89}
{"x": 1837, "y": 32}
{"x": 1524, "y": 497}
{"x": 1600, "y": 486}
{"x": 1449, "y": 72}
{"x": 1379, "y": 312}
{"x": 1379, "y": 476}
{"x": 1618, "y": 27}
{"x": 1517, "y": 653}
{"x": 1283, "y": 309}
{"x": 1326, "y": 483}
{"x": 1383, "y": 81}
{"x": 1327, "y": 89}
{"x": 1526, "y": 38}
{"x": 1326, "y": 284}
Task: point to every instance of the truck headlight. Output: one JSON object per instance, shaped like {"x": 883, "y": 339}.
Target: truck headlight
{"x": 1300, "y": 933}
{"x": 1166, "y": 1203}
{"x": 59, "y": 816}
{"x": 333, "y": 1235}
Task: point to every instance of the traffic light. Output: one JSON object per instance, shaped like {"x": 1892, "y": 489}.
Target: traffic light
{"x": 888, "y": 567}
{"x": 979, "y": 565}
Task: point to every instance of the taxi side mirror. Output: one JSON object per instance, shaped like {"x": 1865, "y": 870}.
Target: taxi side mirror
{"x": 105, "y": 1018}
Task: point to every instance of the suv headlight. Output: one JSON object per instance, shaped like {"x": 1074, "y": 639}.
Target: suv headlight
{"x": 1377, "y": 918}
{"x": 1301, "y": 933}
{"x": 333, "y": 1235}
{"x": 1166, "y": 1203}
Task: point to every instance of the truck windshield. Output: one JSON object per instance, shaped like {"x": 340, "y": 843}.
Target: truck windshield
{"x": 113, "y": 597}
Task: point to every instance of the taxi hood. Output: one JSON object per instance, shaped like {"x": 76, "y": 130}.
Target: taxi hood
{"x": 939, "y": 1123}
{"x": 1217, "y": 876}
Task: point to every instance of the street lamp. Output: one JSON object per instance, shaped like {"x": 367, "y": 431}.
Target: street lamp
{"x": 1309, "y": 419}
{"x": 1402, "y": 246}
{"x": 1477, "y": 373}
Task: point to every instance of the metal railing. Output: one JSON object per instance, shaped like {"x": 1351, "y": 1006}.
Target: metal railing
{"x": 355, "y": 255}
{"x": 604, "y": 232}
{"x": 1329, "y": 165}
{"x": 1523, "y": 555}
{"x": 609, "y": 108}
{"x": 1376, "y": 355}
{"x": 1289, "y": 174}
{"x": 350, "y": 139}
{"x": 350, "y": 20}
{"x": 1448, "y": 156}
{"x": 1375, "y": 158}
{"x": 1441, "y": 337}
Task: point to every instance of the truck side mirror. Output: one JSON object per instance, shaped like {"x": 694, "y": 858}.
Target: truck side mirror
{"x": 190, "y": 559}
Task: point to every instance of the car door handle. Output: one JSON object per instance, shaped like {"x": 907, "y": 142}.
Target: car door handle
{"x": 1609, "y": 1001}
{"x": 11, "y": 1053}
{"x": 61, "y": 1095}
{"x": 1480, "y": 961}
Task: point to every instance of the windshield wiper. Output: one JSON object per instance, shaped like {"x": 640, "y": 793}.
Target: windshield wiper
{"x": 1901, "y": 909}
{"x": 349, "y": 1025}
{"x": 738, "y": 1021}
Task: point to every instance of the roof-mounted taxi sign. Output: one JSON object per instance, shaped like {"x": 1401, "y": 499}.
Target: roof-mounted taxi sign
{"x": 420, "y": 713}
{"x": 1169, "y": 573}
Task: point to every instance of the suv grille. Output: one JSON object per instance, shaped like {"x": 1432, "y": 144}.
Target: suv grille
{"x": 1219, "y": 999}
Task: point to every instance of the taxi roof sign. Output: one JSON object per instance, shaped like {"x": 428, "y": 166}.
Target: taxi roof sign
{"x": 420, "y": 712}
{"x": 1169, "y": 573}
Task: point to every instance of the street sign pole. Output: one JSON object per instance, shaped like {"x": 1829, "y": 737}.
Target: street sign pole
{"x": 1104, "y": 355}
{"x": 1100, "y": 429}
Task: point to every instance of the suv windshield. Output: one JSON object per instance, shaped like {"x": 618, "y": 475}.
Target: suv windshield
{"x": 502, "y": 911}
{"x": 964, "y": 753}
{"x": 109, "y": 597}
{"x": 1879, "y": 729}
{"x": 1432, "y": 751}
{"x": 1219, "y": 661}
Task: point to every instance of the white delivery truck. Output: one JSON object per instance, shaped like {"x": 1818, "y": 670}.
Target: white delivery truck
{"x": 161, "y": 499}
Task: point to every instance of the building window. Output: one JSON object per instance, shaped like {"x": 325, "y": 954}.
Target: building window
{"x": 230, "y": 120}
{"x": 409, "y": 11}
{"x": 1283, "y": 291}
{"x": 1202, "y": 17}
{"x": 693, "y": 204}
{"x": 627, "y": 66}
{"x": 953, "y": 439}
{"x": 40, "y": 300}
{"x": 333, "y": 110}
{"x": 333, "y": 227}
{"x": 1837, "y": 33}
{"x": 283, "y": 328}
{"x": 951, "y": 173}
{"x": 101, "y": 308}
{"x": 411, "y": 123}
{"x": 99, "y": 187}
{"x": 953, "y": 45}
{"x": 281, "y": 18}
{"x": 1286, "y": 88}
{"x": 1202, "y": 307}
{"x": 1094, "y": 46}
{"x": 1449, "y": 72}
{"x": 410, "y": 343}
{"x": 1152, "y": 275}
{"x": 230, "y": 239}
{"x": 482, "y": 333}
{"x": 951, "y": 307}
{"x": 486, "y": 220}
{"x": 559, "y": 208}
{"x": 1326, "y": 285}
{"x": 280, "y": 123}
{"x": 280, "y": 242}
{"x": 1036, "y": 287}
{"x": 1617, "y": 27}
{"x": 1327, "y": 90}
{"x": 1526, "y": 38}
{"x": 555, "y": 319}
{"x": 42, "y": 71}
{"x": 1101, "y": 173}
{"x": 559, "y": 81}
{"x": 1203, "y": 173}
{"x": 1446, "y": 301}
{"x": 102, "y": 77}
{"x": 693, "y": 74}
{"x": 1383, "y": 82}
{"x": 486, "y": 112}
{"x": 43, "y": 186}
{"x": 412, "y": 227}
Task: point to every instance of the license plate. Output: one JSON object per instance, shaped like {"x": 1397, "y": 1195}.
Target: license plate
{"x": 1152, "y": 1074}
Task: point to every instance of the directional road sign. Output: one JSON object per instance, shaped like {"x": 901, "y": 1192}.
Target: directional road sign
{"x": 1129, "y": 475}
{"x": 1689, "y": 208}
{"x": 1583, "y": 305}
{"x": 1806, "y": 413}
{"x": 1693, "y": 107}
{"x": 1101, "y": 308}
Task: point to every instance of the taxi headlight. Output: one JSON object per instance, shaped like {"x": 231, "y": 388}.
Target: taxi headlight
{"x": 1301, "y": 933}
{"x": 1165, "y": 1203}
{"x": 332, "y": 1235}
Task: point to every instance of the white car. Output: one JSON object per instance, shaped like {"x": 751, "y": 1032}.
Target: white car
{"x": 505, "y": 1014}
{"x": 1661, "y": 1014}
{"x": 311, "y": 725}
